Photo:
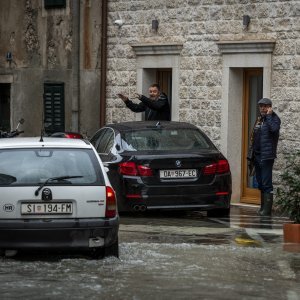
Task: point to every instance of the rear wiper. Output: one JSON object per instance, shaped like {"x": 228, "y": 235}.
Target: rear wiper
{"x": 7, "y": 179}
{"x": 53, "y": 179}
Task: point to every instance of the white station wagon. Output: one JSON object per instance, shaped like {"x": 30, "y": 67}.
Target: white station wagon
{"x": 55, "y": 195}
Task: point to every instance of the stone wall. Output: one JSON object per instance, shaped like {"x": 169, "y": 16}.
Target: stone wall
{"x": 199, "y": 25}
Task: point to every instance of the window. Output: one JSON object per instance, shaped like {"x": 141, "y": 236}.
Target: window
{"x": 33, "y": 166}
{"x": 54, "y": 3}
{"x": 105, "y": 141}
{"x": 165, "y": 140}
{"x": 54, "y": 107}
{"x": 97, "y": 138}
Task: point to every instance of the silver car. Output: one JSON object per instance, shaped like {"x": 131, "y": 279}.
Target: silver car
{"x": 55, "y": 194}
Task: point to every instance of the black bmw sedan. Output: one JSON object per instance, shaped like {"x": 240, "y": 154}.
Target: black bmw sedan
{"x": 164, "y": 166}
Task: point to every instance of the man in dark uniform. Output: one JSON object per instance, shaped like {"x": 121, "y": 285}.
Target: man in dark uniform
{"x": 265, "y": 140}
{"x": 156, "y": 107}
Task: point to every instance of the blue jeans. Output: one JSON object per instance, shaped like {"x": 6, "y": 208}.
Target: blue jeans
{"x": 263, "y": 171}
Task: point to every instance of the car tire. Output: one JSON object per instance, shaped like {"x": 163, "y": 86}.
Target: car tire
{"x": 97, "y": 253}
{"x": 112, "y": 250}
{"x": 218, "y": 213}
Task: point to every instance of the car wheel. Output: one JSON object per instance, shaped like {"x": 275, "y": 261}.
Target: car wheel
{"x": 99, "y": 253}
{"x": 96, "y": 253}
{"x": 218, "y": 213}
{"x": 112, "y": 250}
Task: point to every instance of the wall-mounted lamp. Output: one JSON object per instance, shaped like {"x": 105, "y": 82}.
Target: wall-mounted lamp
{"x": 155, "y": 25}
{"x": 119, "y": 22}
{"x": 8, "y": 56}
{"x": 246, "y": 21}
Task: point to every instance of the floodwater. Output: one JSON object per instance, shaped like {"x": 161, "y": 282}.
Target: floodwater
{"x": 164, "y": 258}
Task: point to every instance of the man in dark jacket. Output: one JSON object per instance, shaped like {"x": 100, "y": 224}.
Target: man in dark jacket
{"x": 265, "y": 140}
{"x": 156, "y": 107}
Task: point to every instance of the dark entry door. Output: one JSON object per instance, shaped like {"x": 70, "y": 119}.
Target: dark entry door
{"x": 5, "y": 106}
{"x": 164, "y": 79}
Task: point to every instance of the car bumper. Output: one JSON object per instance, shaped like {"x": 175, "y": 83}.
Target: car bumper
{"x": 58, "y": 234}
{"x": 139, "y": 196}
{"x": 198, "y": 202}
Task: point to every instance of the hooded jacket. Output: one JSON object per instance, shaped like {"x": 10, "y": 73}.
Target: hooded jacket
{"x": 155, "y": 110}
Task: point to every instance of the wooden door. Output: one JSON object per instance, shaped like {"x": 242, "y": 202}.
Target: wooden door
{"x": 253, "y": 91}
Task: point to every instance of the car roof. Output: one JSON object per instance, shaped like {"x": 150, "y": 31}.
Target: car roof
{"x": 35, "y": 142}
{"x": 138, "y": 125}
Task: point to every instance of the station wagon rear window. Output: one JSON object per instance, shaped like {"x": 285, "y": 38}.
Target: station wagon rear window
{"x": 35, "y": 166}
{"x": 165, "y": 139}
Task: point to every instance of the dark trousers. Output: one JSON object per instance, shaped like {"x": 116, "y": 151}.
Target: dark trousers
{"x": 263, "y": 171}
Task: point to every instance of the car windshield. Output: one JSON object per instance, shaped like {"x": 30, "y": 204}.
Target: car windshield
{"x": 165, "y": 139}
{"x": 35, "y": 166}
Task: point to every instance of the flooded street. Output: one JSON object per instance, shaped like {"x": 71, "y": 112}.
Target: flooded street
{"x": 168, "y": 256}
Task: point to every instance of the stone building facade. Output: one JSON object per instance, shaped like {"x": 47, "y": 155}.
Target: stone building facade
{"x": 214, "y": 58}
{"x": 50, "y": 65}
{"x": 210, "y": 47}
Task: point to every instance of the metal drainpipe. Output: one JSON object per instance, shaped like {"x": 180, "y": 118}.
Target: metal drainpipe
{"x": 103, "y": 64}
{"x": 76, "y": 66}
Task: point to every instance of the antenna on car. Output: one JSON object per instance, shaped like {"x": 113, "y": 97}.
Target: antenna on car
{"x": 43, "y": 123}
{"x": 42, "y": 134}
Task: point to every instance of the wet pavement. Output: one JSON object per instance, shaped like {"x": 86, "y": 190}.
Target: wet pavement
{"x": 167, "y": 255}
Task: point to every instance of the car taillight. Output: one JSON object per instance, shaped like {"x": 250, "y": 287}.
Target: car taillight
{"x": 222, "y": 166}
{"x": 73, "y": 136}
{"x": 144, "y": 171}
{"x": 130, "y": 168}
{"x": 222, "y": 193}
{"x": 210, "y": 169}
{"x": 111, "y": 203}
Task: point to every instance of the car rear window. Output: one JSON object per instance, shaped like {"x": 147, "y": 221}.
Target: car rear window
{"x": 35, "y": 166}
{"x": 165, "y": 139}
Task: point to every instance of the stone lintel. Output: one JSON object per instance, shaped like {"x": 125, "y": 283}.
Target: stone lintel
{"x": 6, "y": 78}
{"x": 157, "y": 49}
{"x": 251, "y": 46}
